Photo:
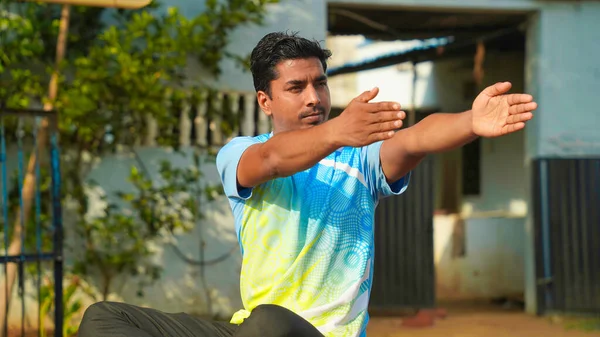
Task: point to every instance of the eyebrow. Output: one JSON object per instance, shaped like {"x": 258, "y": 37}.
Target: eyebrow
{"x": 302, "y": 82}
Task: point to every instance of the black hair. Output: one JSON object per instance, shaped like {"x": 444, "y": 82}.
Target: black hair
{"x": 280, "y": 46}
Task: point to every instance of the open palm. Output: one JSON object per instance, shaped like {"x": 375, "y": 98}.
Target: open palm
{"x": 496, "y": 113}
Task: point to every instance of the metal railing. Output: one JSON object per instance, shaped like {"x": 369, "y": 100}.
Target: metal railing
{"x": 31, "y": 221}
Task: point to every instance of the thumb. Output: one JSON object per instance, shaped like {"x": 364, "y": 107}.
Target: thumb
{"x": 497, "y": 89}
{"x": 367, "y": 95}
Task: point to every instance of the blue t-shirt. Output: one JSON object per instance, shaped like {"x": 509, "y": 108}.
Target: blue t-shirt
{"x": 307, "y": 239}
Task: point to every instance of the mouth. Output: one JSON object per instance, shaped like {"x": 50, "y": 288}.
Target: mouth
{"x": 313, "y": 118}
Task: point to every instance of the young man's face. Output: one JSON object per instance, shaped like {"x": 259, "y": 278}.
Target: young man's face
{"x": 299, "y": 96}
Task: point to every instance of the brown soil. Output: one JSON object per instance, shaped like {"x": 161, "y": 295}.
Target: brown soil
{"x": 476, "y": 321}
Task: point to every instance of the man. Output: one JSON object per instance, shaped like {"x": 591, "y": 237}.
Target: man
{"x": 304, "y": 195}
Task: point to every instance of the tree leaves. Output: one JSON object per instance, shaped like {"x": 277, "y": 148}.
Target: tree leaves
{"x": 113, "y": 79}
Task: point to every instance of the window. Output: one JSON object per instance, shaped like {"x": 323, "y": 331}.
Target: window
{"x": 471, "y": 168}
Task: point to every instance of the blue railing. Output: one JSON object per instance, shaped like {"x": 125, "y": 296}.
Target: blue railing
{"x": 23, "y": 136}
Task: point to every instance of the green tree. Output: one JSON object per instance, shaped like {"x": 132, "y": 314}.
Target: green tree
{"x": 21, "y": 45}
{"x": 114, "y": 79}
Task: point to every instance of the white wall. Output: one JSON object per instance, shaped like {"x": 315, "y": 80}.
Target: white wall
{"x": 343, "y": 88}
{"x": 180, "y": 288}
{"x": 564, "y": 74}
{"x": 396, "y": 82}
{"x": 502, "y": 167}
{"x": 494, "y": 220}
{"x": 492, "y": 265}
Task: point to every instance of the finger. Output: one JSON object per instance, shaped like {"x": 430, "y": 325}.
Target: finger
{"x": 367, "y": 95}
{"x": 523, "y": 117}
{"x": 519, "y": 98}
{"x": 497, "y": 89}
{"x": 388, "y": 116}
{"x": 375, "y": 137}
{"x": 521, "y": 108}
{"x": 512, "y": 127}
{"x": 383, "y": 106}
{"x": 387, "y": 126}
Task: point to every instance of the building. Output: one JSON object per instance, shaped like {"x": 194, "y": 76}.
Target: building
{"x": 503, "y": 226}
{"x": 497, "y": 226}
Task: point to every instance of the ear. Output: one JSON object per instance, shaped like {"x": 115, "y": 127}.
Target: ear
{"x": 264, "y": 101}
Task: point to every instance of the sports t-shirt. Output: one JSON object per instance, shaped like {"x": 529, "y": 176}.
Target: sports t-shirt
{"x": 307, "y": 239}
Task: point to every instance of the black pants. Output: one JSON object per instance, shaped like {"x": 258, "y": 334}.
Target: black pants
{"x": 113, "y": 319}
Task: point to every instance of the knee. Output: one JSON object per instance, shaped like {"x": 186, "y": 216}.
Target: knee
{"x": 267, "y": 308}
{"x": 272, "y": 312}
{"x": 95, "y": 314}
{"x": 94, "y": 310}
{"x": 277, "y": 321}
{"x": 100, "y": 309}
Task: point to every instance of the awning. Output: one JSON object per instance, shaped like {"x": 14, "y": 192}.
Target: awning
{"x": 444, "y": 34}
{"x": 388, "y": 23}
{"x": 509, "y": 39}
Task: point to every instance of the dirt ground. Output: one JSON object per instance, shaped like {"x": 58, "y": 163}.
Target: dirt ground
{"x": 476, "y": 321}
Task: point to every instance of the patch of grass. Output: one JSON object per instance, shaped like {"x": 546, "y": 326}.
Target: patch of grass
{"x": 584, "y": 324}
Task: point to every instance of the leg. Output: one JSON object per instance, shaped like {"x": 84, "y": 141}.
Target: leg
{"x": 112, "y": 319}
{"x": 269, "y": 320}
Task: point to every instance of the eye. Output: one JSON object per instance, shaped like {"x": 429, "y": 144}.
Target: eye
{"x": 295, "y": 89}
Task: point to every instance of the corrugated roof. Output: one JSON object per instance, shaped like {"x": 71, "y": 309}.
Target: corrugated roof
{"x": 390, "y": 57}
{"x": 511, "y": 38}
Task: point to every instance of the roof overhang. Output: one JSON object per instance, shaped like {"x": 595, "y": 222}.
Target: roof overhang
{"x": 460, "y": 31}
{"x": 397, "y": 23}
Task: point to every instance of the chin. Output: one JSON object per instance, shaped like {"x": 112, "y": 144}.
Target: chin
{"x": 306, "y": 126}
{"x": 313, "y": 121}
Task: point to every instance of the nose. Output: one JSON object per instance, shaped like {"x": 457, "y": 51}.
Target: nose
{"x": 312, "y": 97}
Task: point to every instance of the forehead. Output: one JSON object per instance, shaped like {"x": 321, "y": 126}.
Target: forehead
{"x": 299, "y": 69}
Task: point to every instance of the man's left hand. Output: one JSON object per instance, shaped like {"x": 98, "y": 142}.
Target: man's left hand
{"x": 496, "y": 113}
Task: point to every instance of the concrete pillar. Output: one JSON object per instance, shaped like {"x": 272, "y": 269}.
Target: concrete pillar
{"x": 563, "y": 73}
{"x": 216, "y": 119}
{"x": 185, "y": 124}
{"x": 200, "y": 121}
{"x": 248, "y": 115}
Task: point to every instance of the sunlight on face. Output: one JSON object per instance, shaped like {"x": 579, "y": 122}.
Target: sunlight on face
{"x": 299, "y": 95}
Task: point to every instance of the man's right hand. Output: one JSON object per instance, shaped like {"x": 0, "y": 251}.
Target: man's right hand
{"x": 363, "y": 123}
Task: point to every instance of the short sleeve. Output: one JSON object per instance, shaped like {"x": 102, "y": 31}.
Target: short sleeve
{"x": 228, "y": 159}
{"x": 376, "y": 178}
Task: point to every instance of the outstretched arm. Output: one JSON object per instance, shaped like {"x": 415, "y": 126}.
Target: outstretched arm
{"x": 493, "y": 114}
{"x": 286, "y": 153}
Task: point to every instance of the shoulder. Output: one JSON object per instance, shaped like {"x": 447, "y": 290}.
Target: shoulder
{"x": 241, "y": 142}
{"x": 245, "y": 140}
{"x": 230, "y": 154}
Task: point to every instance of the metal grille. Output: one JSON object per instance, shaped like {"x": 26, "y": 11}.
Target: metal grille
{"x": 32, "y": 245}
{"x": 404, "y": 276}
{"x": 567, "y": 225}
